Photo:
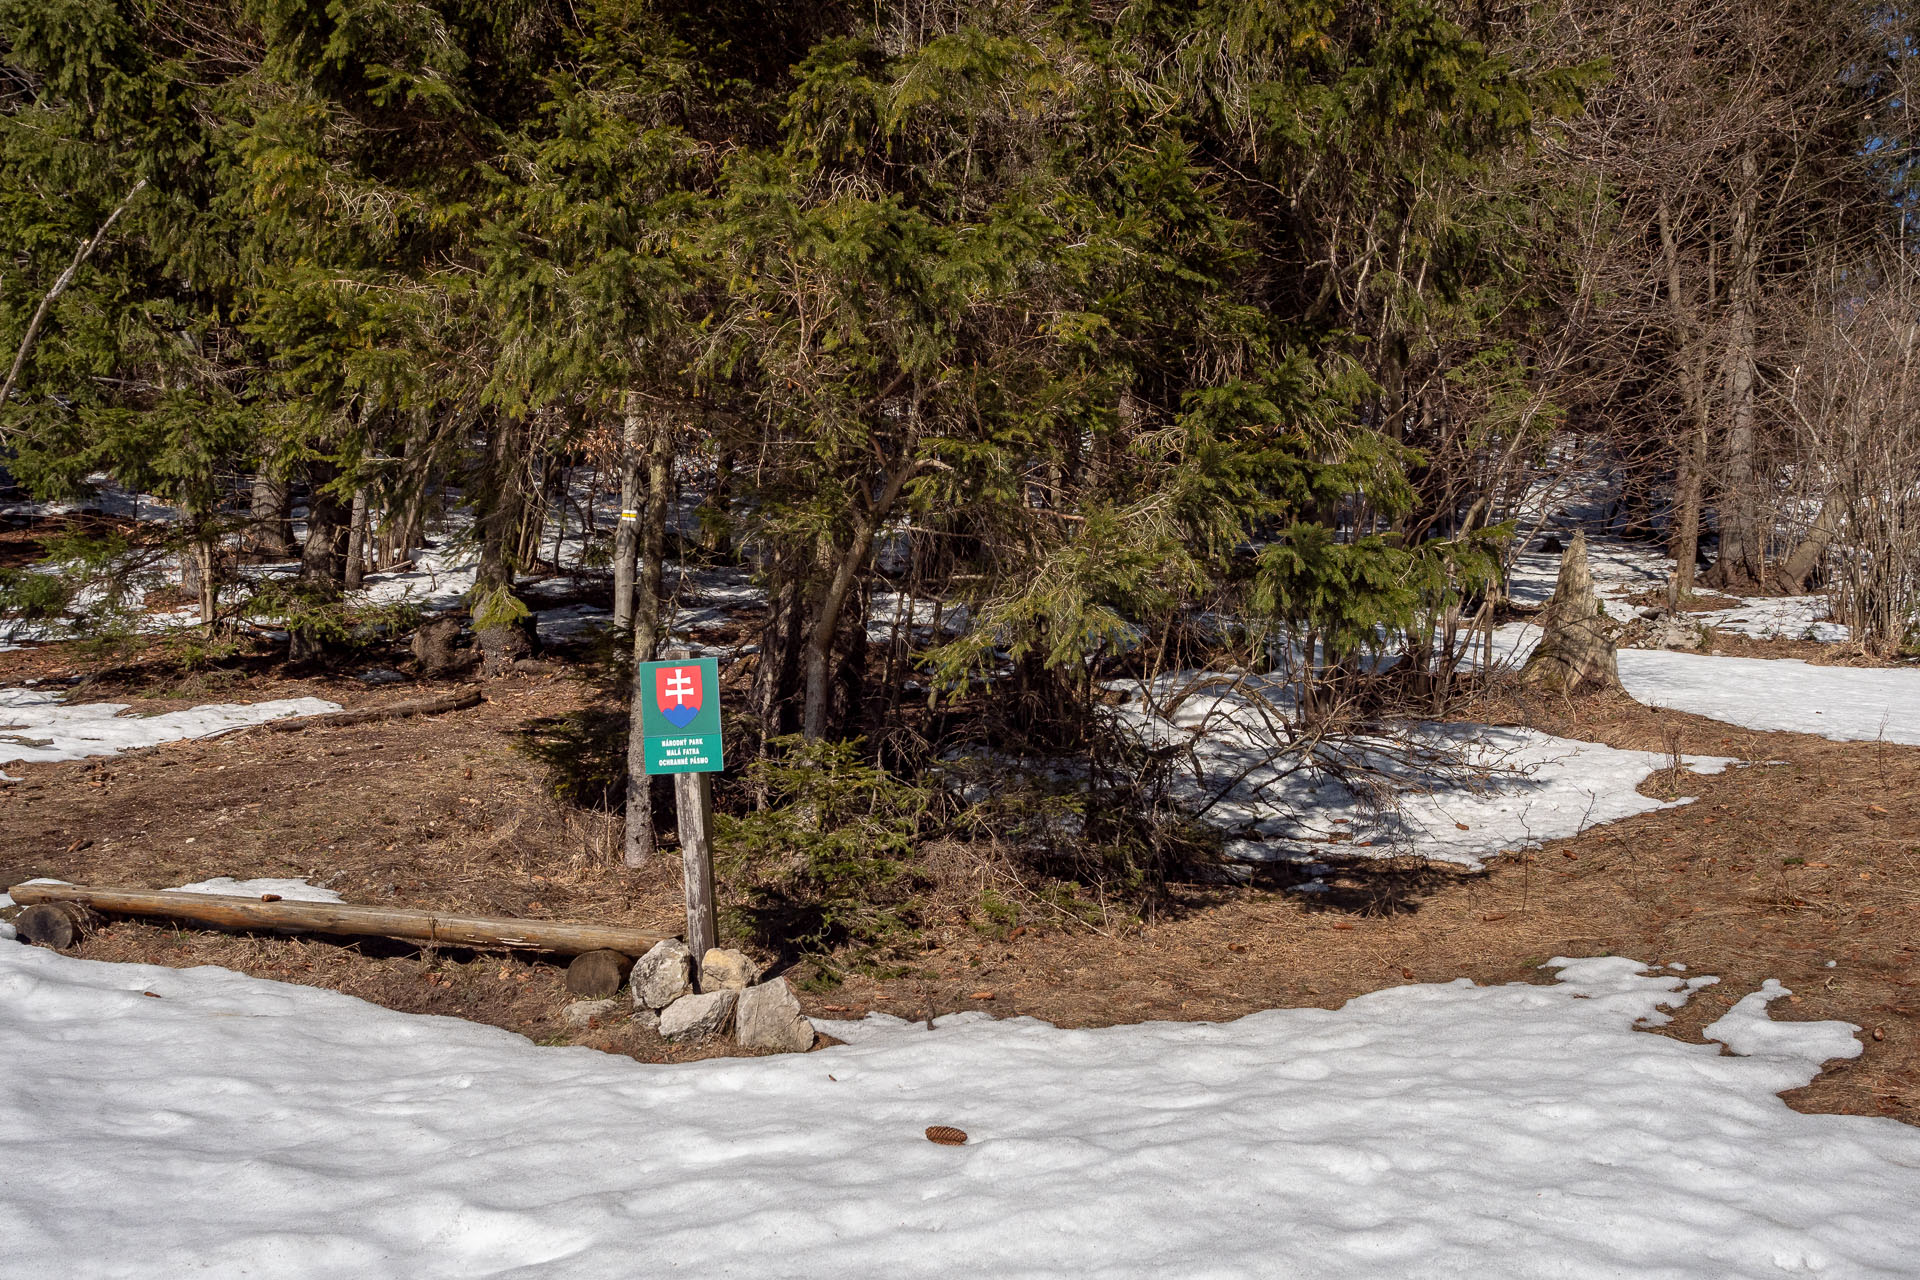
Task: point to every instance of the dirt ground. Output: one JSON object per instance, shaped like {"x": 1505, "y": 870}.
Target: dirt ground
{"x": 1802, "y": 866}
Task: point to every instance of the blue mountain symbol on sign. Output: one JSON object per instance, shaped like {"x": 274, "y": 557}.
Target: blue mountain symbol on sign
{"x": 677, "y": 692}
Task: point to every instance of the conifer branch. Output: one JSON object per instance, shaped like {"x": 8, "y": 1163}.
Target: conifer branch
{"x": 80, "y": 256}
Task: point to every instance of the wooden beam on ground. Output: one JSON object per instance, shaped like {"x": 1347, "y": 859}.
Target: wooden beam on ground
{"x": 349, "y": 920}
{"x": 367, "y": 715}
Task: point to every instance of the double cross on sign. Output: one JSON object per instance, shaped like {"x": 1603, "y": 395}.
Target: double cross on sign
{"x": 679, "y": 687}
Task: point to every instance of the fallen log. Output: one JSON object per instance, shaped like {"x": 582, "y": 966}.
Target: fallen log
{"x": 367, "y": 715}
{"x": 348, "y": 919}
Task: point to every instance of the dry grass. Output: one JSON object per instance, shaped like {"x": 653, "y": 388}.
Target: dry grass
{"x": 1775, "y": 870}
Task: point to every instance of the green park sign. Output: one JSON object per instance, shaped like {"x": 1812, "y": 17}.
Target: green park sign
{"x": 680, "y": 715}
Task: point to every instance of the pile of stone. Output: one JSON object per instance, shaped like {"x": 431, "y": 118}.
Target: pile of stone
{"x": 1659, "y": 628}
{"x": 729, "y": 998}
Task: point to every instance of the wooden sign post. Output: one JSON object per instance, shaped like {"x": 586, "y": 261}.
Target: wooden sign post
{"x": 680, "y": 723}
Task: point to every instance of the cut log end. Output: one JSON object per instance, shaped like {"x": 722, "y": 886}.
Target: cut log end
{"x": 57, "y": 925}
{"x": 595, "y": 975}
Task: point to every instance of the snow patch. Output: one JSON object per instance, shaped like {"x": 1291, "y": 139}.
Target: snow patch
{"x": 236, "y": 1126}
{"x": 1747, "y": 1030}
{"x": 38, "y": 727}
{"x": 1845, "y": 704}
{"x": 1779, "y": 618}
{"x": 289, "y": 890}
{"x": 570, "y": 622}
{"x": 1460, "y": 793}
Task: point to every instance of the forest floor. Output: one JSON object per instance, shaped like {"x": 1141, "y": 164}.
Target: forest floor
{"x": 1803, "y": 866}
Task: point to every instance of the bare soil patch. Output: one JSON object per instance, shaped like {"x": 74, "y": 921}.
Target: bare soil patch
{"x": 1775, "y": 870}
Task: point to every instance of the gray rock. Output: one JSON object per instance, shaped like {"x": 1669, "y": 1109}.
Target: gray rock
{"x": 582, "y": 1014}
{"x": 723, "y": 968}
{"x": 769, "y": 1017}
{"x": 662, "y": 975}
{"x": 648, "y": 1018}
{"x": 696, "y": 1017}
{"x": 1659, "y": 629}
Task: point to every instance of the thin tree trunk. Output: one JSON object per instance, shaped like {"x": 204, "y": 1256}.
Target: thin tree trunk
{"x": 1683, "y": 544}
{"x": 866, "y": 522}
{"x": 197, "y": 569}
{"x": 269, "y": 531}
{"x": 393, "y": 535}
{"x": 777, "y": 667}
{"x": 626, "y": 534}
{"x": 713, "y": 530}
{"x": 1684, "y": 533}
{"x": 327, "y": 520}
{"x": 502, "y": 525}
{"x": 407, "y": 538}
{"x": 203, "y": 552}
{"x": 1799, "y": 567}
{"x": 647, "y": 634}
{"x": 531, "y": 517}
{"x": 563, "y": 481}
{"x": 1743, "y": 549}
{"x": 499, "y": 517}
{"x": 356, "y": 565}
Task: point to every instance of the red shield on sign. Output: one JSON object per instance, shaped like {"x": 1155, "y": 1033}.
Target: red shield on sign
{"x": 677, "y": 692}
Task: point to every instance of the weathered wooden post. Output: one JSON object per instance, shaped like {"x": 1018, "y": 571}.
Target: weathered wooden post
{"x": 680, "y": 723}
{"x": 693, "y": 806}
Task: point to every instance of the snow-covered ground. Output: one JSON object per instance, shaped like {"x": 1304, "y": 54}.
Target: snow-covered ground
{"x": 1621, "y": 570}
{"x": 161, "y": 1122}
{"x": 1626, "y": 571}
{"x": 1519, "y": 786}
{"x": 888, "y": 609}
{"x": 1850, "y": 704}
{"x": 38, "y": 726}
{"x": 1452, "y": 792}
{"x": 289, "y": 890}
{"x": 1786, "y": 694}
{"x": 107, "y": 499}
{"x": 436, "y": 579}
{"x": 1779, "y": 618}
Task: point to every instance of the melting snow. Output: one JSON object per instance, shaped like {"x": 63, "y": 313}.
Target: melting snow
{"x": 1620, "y": 570}
{"x": 570, "y": 622}
{"x": 235, "y": 1126}
{"x": 1779, "y": 618}
{"x": 36, "y": 726}
{"x": 289, "y": 890}
{"x": 1846, "y": 704}
{"x": 1465, "y": 792}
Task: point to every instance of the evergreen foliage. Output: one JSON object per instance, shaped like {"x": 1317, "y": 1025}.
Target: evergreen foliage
{"x": 1082, "y": 326}
{"x": 825, "y": 869}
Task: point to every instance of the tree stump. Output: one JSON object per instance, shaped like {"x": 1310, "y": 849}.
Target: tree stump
{"x": 1577, "y": 651}
{"x": 433, "y": 642}
{"x": 58, "y": 925}
{"x": 502, "y": 646}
